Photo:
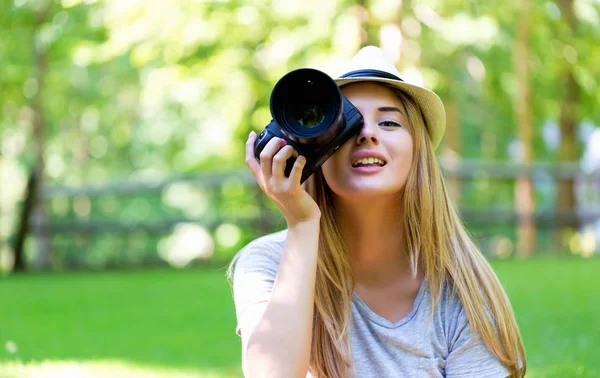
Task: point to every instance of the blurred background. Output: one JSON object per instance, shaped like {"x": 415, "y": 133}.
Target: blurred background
{"x": 124, "y": 193}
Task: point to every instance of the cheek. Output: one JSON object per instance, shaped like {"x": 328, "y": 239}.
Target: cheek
{"x": 408, "y": 152}
{"x": 333, "y": 169}
{"x": 404, "y": 156}
{"x": 332, "y": 165}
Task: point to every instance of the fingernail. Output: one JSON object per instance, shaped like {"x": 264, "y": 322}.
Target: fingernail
{"x": 251, "y": 134}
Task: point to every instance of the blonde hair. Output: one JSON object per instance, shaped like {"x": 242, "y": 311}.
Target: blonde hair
{"x": 438, "y": 244}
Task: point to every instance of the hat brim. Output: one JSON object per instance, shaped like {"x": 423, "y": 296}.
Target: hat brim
{"x": 430, "y": 103}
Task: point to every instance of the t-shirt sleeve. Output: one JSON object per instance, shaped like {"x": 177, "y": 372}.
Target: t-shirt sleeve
{"x": 253, "y": 278}
{"x": 469, "y": 357}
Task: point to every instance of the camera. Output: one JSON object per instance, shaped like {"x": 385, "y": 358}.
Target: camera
{"x": 312, "y": 115}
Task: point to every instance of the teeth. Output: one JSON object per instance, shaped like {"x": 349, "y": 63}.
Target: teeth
{"x": 368, "y": 160}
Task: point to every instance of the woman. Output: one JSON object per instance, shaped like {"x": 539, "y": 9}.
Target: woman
{"x": 375, "y": 275}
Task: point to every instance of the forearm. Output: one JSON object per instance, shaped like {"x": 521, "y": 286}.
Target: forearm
{"x": 280, "y": 344}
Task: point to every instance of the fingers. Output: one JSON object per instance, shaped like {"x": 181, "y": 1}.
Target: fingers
{"x": 266, "y": 156}
{"x": 280, "y": 160}
{"x": 273, "y": 160}
{"x": 251, "y": 161}
{"x": 296, "y": 174}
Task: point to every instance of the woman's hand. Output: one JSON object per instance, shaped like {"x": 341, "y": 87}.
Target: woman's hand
{"x": 294, "y": 202}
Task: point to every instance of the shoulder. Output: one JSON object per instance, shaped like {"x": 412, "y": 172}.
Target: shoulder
{"x": 452, "y": 321}
{"x": 452, "y": 310}
{"x": 449, "y": 310}
{"x": 254, "y": 271}
{"x": 468, "y": 355}
{"x": 266, "y": 249}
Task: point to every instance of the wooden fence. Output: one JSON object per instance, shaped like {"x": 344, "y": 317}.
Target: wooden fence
{"x": 129, "y": 222}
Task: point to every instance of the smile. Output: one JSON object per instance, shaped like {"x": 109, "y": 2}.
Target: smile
{"x": 368, "y": 162}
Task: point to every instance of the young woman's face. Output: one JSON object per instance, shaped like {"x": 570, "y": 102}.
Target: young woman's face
{"x": 377, "y": 160}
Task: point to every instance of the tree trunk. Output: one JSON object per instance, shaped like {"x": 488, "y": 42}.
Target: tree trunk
{"x": 524, "y": 191}
{"x": 40, "y": 221}
{"x": 567, "y": 150}
{"x": 23, "y": 227}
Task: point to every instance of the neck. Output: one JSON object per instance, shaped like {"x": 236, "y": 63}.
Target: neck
{"x": 373, "y": 231}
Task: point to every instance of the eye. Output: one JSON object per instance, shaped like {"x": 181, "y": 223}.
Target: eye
{"x": 390, "y": 124}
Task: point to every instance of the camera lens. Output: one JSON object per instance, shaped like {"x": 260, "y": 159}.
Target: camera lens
{"x": 307, "y": 105}
{"x": 310, "y": 115}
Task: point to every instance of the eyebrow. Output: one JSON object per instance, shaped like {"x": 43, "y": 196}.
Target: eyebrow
{"x": 389, "y": 109}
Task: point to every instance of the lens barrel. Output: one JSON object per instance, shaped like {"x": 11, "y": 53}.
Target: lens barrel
{"x": 307, "y": 105}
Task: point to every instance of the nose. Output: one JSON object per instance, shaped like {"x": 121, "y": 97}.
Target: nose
{"x": 368, "y": 132}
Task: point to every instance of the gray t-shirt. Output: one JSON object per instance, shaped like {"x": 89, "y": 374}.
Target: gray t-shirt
{"x": 416, "y": 346}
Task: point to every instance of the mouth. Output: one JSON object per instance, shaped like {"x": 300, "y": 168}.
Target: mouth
{"x": 369, "y": 162}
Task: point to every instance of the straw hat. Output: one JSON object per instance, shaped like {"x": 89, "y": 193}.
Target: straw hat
{"x": 372, "y": 64}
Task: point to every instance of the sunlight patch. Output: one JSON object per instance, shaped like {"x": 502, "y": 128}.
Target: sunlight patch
{"x": 188, "y": 242}
{"x": 97, "y": 369}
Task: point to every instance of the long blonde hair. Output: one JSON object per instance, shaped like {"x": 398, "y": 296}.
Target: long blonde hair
{"x": 438, "y": 245}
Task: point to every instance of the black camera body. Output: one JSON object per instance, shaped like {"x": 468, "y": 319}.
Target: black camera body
{"x": 312, "y": 115}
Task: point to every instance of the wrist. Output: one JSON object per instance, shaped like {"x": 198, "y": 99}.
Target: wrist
{"x": 310, "y": 224}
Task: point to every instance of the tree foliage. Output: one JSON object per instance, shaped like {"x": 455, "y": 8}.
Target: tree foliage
{"x": 142, "y": 89}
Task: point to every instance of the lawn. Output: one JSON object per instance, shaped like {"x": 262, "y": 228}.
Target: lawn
{"x": 180, "y": 323}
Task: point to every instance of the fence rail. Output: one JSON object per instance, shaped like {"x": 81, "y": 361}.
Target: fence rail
{"x": 233, "y": 199}
{"x": 464, "y": 169}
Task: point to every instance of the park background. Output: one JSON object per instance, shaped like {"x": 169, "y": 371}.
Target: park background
{"x": 124, "y": 194}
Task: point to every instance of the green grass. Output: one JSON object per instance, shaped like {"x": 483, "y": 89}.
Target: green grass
{"x": 157, "y": 318}
{"x": 167, "y": 323}
{"x": 557, "y": 305}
